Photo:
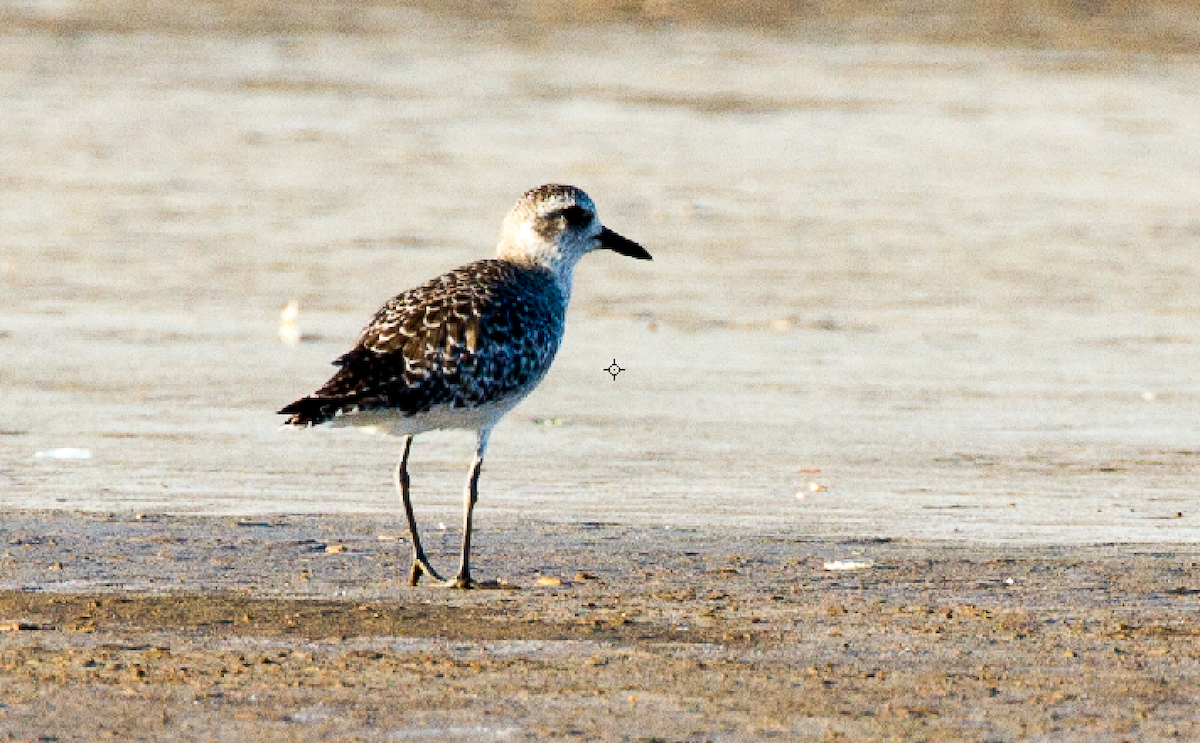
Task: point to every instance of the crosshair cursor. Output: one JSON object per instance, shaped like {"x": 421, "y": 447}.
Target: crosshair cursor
{"x": 613, "y": 369}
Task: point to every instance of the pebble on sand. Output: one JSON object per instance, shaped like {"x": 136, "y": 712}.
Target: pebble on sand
{"x": 849, "y": 565}
{"x": 288, "y": 332}
{"x": 64, "y": 453}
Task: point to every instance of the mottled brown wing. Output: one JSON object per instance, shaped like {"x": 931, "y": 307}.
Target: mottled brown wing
{"x": 475, "y": 335}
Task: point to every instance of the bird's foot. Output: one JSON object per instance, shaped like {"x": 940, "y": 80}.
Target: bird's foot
{"x": 420, "y": 566}
{"x": 460, "y": 581}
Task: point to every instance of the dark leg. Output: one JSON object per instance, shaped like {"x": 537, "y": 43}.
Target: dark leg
{"x": 420, "y": 563}
{"x": 463, "y": 579}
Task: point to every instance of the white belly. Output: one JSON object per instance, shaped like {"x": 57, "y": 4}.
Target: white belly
{"x": 394, "y": 423}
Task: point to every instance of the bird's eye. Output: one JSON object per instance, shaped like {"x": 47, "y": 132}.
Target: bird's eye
{"x": 576, "y": 216}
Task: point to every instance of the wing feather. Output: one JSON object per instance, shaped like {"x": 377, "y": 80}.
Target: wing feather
{"x": 482, "y": 332}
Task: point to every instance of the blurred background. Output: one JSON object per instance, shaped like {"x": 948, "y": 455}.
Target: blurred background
{"x": 920, "y": 268}
{"x": 1152, "y": 26}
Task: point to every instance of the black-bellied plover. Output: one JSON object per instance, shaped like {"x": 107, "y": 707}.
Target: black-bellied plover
{"x": 462, "y": 350}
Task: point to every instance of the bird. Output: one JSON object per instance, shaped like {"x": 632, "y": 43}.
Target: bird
{"x": 463, "y": 349}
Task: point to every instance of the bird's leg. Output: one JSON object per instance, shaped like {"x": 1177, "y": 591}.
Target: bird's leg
{"x": 463, "y": 579}
{"x": 420, "y": 564}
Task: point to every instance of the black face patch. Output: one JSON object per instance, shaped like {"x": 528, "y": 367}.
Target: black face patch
{"x": 569, "y": 217}
{"x": 577, "y": 216}
{"x": 572, "y": 216}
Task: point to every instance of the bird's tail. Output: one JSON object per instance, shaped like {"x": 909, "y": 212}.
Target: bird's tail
{"x": 312, "y": 411}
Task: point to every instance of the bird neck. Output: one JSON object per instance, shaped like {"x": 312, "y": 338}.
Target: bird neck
{"x": 544, "y": 256}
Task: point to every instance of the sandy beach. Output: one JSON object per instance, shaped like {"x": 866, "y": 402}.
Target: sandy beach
{"x": 919, "y": 301}
{"x": 201, "y": 628}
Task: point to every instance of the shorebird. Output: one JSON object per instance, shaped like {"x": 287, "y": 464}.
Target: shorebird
{"x": 461, "y": 350}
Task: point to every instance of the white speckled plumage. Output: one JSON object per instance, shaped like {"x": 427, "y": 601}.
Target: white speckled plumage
{"x": 463, "y": 349}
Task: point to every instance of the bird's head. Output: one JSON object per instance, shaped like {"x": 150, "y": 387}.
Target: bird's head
{"x": 554, "y": 226}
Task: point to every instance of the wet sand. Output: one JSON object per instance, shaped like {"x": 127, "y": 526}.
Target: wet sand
{"x": 945, "y": 293}
{"x": 195, "y": 628}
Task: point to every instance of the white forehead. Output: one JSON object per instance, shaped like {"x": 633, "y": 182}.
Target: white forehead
{"x": 551, "y": 197}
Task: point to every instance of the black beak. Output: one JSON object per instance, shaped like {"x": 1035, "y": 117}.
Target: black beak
{"x": 623, "y": 245}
